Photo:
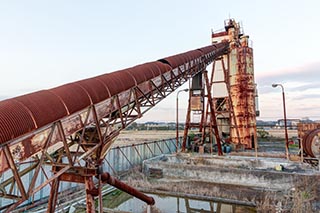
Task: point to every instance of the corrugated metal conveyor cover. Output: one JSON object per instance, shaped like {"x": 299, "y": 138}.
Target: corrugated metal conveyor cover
{"x": 205, "y": 50}
{"x": 142, "y": 73}
{"x": 45, "y": 106}
{"x": 191, "y": 55}
{"x": 161, "y": 67}
{"x": 175, "y": 60}
{"x": 194, "y": 54}
{"x": 74, "y": 97}
{"x": 117, "y": 82}
{"x": 96, "y": 89}
{"x": 15, "y": 120}
{"x": 212, "y": 47}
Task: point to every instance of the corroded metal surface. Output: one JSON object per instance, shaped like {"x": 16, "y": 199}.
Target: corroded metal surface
{"x": 309, "y": 134}
{"x": 242, "y": 92}
{"x": 106, "y": 177}
{"x": 15, "y": 120}
{"x": 75, "y": 124}
{"x": 44, "y": 106}
{"x": 73, "y": 96}
{"x": 96, "y": 90}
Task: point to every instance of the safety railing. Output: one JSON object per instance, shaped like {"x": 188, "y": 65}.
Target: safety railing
{"x": 121, "y": 159}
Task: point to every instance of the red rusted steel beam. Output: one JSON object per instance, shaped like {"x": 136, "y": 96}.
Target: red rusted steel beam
{"x": 107, "y": 178}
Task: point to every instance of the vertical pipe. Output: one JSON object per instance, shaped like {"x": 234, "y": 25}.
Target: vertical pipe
{"x": 177, "y": 120}
{"x": 301, "y": 149}
{"x": 285, "y": 122}
{"x": 285, "y": 118}
{"x": 100, "y": 195}
{"x": 177, "y": 123}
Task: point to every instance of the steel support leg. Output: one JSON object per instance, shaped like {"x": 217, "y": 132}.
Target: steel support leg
{"x": 53, "y": 195}
{"x": 89, "y": 195}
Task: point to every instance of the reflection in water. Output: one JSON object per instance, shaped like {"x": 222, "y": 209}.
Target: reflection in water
{"x": 123, "y": 202}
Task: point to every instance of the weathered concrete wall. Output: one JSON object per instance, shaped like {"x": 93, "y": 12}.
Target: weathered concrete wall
{"x": 238, "y": 171}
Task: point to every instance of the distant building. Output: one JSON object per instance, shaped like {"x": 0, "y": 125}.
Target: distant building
{"x": 291, "y": 123}
{"x": 159, "y": 125}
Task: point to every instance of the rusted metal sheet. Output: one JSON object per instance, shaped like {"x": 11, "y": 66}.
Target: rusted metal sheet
{"x": 118, "y": 81}
{"x": 309, "y": 134}
{"x": 196, "y": 103}
{"x": 311, "y": 143}
{"x": 211, "y": 50}
{"x": 144, "y": 87}
{"x": 242, "y": 92}
{"x": 141, "y": 73}
{"x": 103, "y": 108}
{"x": 158, "y": 69}
{"x": 163, "y": 67}
{"x": 304, "y": 128}
{"x": 15, "y": 120}
{"x": 219, "y": 34}
{"x": 44, "y": 106}
{"x": 193, "y": 54}
{"x": 73, "y": 96}
{"x": 175, "y": 60}
{"x": 96, "y": 89}
{"x": 72, "y": 123}
{"x": 124, "y": 98}
{"x": 21, "y": 150}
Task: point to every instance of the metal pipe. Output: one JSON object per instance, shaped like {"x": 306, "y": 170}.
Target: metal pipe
{"x": 177, "y": 118}
{"x": 285, "y": 118}
{"x": 107, "y": 178}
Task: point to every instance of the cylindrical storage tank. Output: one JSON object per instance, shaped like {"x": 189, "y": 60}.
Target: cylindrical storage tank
{"x": 242, "y": 92}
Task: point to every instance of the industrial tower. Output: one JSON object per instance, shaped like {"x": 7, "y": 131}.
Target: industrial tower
{"x": 223, "y": 106}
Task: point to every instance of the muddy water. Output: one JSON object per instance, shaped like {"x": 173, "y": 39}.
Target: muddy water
{"x": 121, "y": 202}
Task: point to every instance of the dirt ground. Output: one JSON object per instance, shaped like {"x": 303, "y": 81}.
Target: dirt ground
{"x": 127, "y": 137}
{"x": 279, "y": 133}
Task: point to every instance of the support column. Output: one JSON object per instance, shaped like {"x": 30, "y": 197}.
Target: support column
{"x": 89, "y": 186}
{"x": 53, "y": 195}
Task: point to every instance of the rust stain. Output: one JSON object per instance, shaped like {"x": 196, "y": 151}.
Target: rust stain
{"x": 309, "y": 133}
{"x": 242, "y": 91}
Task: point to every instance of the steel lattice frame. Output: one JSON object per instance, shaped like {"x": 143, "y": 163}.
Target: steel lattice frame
{"x": 74, "y": 147}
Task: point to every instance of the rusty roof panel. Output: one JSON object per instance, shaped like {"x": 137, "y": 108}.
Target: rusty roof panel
{"x": 213, "y": 47}
{"x": 195, "y": 54}
{"x": 156, "y": 68}
{"x": 142, "y": 72}
{"x": 117, "y": 81}
{"x": 207, "y": 49}
{"x": 73, "y": 96}
{"x": 45, "y": 106}
{"x": 95, "y": 88}
{"x": 137, "y": 73}
{"x": 15, "y": 120}
{"x": 161, "y": 67}
{"x": 175, "y": 60}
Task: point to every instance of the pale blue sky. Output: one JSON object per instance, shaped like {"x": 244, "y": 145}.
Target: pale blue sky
{"x": 48, "y": 43}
